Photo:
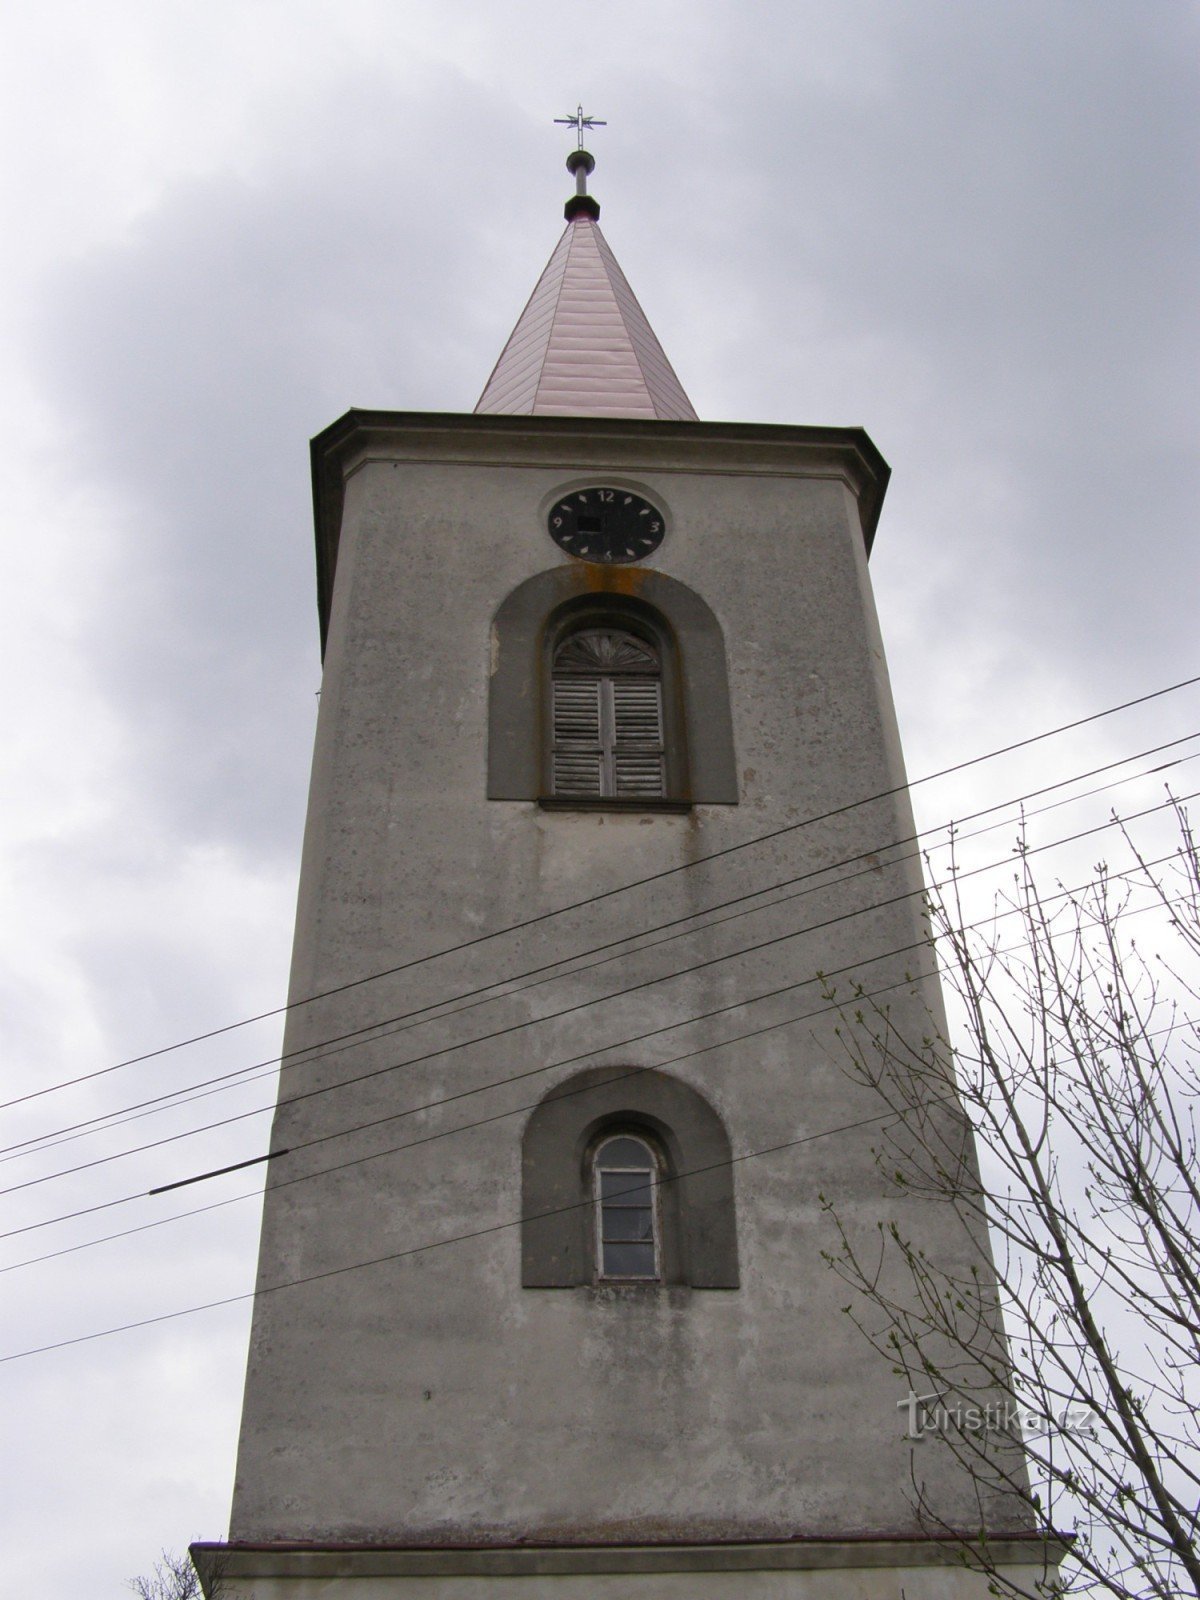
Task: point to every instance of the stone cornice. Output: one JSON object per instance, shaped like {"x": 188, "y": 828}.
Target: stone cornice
{"x": 322, "y": 1562}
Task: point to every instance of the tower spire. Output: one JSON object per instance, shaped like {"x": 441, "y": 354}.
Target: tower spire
{"x": 583, "y": 345}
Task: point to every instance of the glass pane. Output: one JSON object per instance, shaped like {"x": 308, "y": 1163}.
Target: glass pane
{"x": 625, "y": 1152}
{"x": 634, "y": 1222}
{"x": 629, "y": 1261}
{"x": 626, "y": 1189}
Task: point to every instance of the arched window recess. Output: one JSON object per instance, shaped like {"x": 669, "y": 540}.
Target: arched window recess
{"x": 677, "y": 630}
{"x": 626, "y": 1177}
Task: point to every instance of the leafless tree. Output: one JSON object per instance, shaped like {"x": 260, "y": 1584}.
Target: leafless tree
{"x": 174, "y": 1578}
{"x": 1075, "y": 1067}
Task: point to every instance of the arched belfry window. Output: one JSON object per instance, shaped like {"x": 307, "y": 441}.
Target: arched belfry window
{"x": 680, "y": 648}
{"x": 607, "y": 717}
{"x": 625, "y": 1184}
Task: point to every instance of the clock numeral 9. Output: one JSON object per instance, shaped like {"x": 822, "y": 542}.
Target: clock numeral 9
{"x": 556, "y": 522}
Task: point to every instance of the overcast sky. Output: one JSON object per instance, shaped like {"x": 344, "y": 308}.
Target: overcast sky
{"x": 970, "y": 228}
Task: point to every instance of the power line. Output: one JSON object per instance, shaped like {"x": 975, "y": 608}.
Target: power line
{"x": 377, "y": 1155}
{"x": 583, "y": 1005}
{"x": 324, "y": 1049}
{"x": 852, "y": 967}
{"x": 439, "y": 1244}
{"x": 127, "y": 1233}
{"x": 891, "y": 1115}
{"x": 483, "y": 994}
{"x": 513, "y": 1111}
{"x": 606, "y": 894}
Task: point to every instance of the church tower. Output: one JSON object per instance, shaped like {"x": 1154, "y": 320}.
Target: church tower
{"x": 607, "y": 788}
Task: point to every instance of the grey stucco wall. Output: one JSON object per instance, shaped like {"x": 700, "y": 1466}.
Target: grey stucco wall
{"x": 431, "y": 1398}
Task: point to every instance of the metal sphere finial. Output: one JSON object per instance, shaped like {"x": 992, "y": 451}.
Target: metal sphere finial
{"x": 581, "y": 162}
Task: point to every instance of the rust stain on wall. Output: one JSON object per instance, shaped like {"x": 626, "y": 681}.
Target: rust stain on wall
{"x": 592, "y": 578}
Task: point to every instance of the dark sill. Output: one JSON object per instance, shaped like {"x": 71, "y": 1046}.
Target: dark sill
{"x": 570, "y": 803}
{"x": 625, "y": 1286}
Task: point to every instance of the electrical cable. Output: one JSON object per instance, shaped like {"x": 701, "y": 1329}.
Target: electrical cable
{"x": 854, "y": 967}
{"x": 458, "y": 1238}
{"x": 552, "y": 1016}
{"x": 514, "y": 1111}
{"x": 607, "y": 894}
{"x": 891, "y": 1115}
{"x": 377, "y": 1155}
{"x": 450, "y": 1006}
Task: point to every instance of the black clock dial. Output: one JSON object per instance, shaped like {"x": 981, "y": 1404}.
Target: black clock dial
{"x": 606, "y": 525}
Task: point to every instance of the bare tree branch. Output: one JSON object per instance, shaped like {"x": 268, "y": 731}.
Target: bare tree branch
{"x": 1075, "y": 1077}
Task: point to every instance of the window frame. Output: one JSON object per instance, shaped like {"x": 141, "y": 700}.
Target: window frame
{"x": 654, "y": 1168}
{"x": 615, "y": 692}
{"x": 619, "y": 614}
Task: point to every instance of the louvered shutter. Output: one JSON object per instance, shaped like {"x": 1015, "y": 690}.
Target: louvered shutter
{"x": 578, "y": 753}
{"x": 638, "y": 763}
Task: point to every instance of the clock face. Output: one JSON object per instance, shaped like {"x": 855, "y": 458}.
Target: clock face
{"x": 606, "y": 525}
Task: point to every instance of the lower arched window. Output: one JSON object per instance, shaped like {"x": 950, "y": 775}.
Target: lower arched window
{"x": 626, "y": 1175}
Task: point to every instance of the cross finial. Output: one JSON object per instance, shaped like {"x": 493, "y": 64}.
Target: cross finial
{"x": 579, "y": 122}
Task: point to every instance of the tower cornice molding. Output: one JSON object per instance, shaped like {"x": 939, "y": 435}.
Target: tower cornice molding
{"x": 893, "y": 1554}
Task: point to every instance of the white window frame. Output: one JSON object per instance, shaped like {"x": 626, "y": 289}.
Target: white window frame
{"x": 653, "y": 1168}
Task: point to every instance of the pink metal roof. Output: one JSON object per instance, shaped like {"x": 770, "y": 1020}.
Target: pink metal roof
{"x": 582, "y": 346}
